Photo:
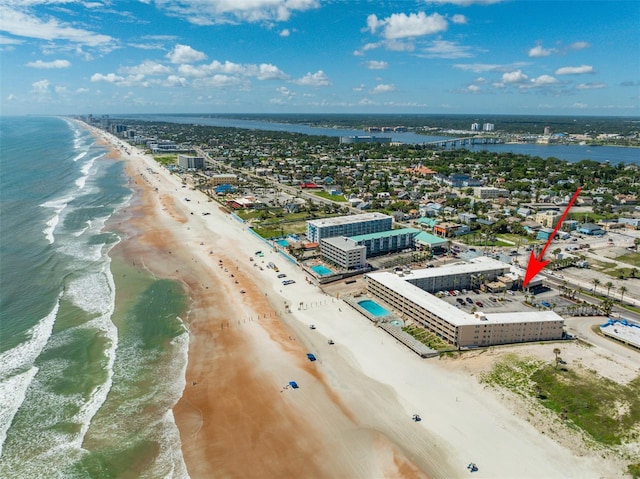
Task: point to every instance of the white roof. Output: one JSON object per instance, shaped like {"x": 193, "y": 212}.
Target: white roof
{"x": 476, "y": 265}
{"x": 341, "y": 220}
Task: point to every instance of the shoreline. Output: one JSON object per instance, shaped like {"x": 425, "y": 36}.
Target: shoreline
{"x": 351, "y": 416}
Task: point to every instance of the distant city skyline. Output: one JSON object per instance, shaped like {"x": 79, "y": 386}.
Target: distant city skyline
{"x": 320, "y": 56}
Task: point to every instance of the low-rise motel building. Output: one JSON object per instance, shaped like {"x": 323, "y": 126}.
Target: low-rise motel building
{"x": 411, "y": 295}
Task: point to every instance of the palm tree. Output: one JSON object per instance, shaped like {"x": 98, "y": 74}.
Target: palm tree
{"x": 556, "y": 351}
{"x": 623, "y": 289}
{"x": 608, "y": 285}
{"x": 596, "y": 283}
{"x": 606, "y": 306}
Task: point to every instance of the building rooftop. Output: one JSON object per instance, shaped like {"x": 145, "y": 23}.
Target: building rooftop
{"x": 342, "y": 242}
{"x": 343, "y": 220}
{"x": 384, "y": 234}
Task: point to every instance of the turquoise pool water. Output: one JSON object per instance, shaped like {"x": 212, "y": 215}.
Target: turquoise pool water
{"x": 321, "y": 270}
{"x": 373, "y": 308}
{"x": 283, "y": 243}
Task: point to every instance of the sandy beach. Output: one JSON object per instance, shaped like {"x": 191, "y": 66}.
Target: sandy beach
{"x": 351, "y": 415}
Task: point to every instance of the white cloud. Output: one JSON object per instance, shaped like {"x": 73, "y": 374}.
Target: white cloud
{"x": 176, "y": 81}
{"x": 459, "y": 19}
{"x": 82, "y": 90}
{"x": 447, "y": 49}
{"x": 540, "y": 51}
{"x": 41, "y": 87}
{"x": 579, "y": 45}
{"x": 377, "y": 65}
{"x": 49, "y": 65}
{"x": 544, "y": 80}
{"x": 147, "y": 67}
{"x": 109, "y": 78}
{"x": 383, "y": 88}
{"x": 590, "y": 86}
{"x": 9, "y": 41}
{"x": 514, "y": 77}
{"x": 318, "y": 78}
{"x": 211, "y": 12}
{"x": 285, "y": 32}
{"x": 184, "y": 54}
{"x": 574, "y": 70}
{"x": 264, "y": 71}
{"x": 401, "y": 25}
{"x": 488, "y": 67}
{"x": 285, "y": 92}
{"x": 22, "y": 24}
{"x": 359, "y": 87}
{"x": 473, "y": 88}
{"x": 580, "y": 105}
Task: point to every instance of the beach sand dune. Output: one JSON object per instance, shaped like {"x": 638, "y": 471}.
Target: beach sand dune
{"x": 351, "y": 415}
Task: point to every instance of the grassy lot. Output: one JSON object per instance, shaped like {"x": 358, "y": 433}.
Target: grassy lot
{"x": 523, "y": 240}
{"x": 329, "y": 196}
{"x": 630, "y": 258}
{"x": 165, "y": 160}
{"x": 473, "y": 240}
{"x": 427, "y": 338}
{"x": 606, "y": 411}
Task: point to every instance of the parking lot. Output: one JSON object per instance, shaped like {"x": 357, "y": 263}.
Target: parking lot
{"x": 506, "y": 302}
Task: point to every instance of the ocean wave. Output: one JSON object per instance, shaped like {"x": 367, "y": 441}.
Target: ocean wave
{"x": 12, "y": 394}
{"x": 18, "y": 371}
{"x": 24, "y": 354}
{"x": 86, "y": 170}
{"x": 79, "y": 156}
{"x": 57, "y": 205}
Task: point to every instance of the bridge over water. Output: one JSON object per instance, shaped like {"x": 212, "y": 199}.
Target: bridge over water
{"x": 468, "y": 141}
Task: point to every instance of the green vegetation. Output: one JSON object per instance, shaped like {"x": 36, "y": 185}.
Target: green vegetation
{"x": 634, "y": 470}
{"x": 329, "y": 196}
{"x": 607, "y": 411}
{"x": 630, "y": 258}
{"x": 165, "y": 160}
{"x": 427, "y": 338}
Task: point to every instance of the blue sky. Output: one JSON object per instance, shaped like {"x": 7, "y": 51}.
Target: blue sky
{"x": 320, "y": 56}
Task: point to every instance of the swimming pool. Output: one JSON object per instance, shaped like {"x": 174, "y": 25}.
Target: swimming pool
{"x": 321, "y": 270}
{"x": 373, "y": 308}
{"x": 283, "y": 243}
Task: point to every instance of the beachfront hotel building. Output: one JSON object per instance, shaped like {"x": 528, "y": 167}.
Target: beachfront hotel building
{"x": 353, "y": 225}
{"x": 191, "y": 162}
{"x": 344, "y": 252}
{"x": 223, "y": 179}
{"x": 387, "y": 241}
{"x": 411, "y": 296}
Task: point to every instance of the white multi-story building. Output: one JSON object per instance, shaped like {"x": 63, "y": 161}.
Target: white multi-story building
{"x": 486, "y": 192}
{"x": 353, "y": 225}
{"x": 344, "y": 252}
{"x": 475, "y": 127}
{"x": 191, "y": 162}
{"x": 411, "y": 296}
{"x": 488, "y": 127}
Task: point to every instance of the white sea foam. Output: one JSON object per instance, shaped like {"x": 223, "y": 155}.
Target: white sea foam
{"x": 57, "y": 205}
{"x": 12, "y": 393}
{"x": 25, "y": 353}
{"x": 79, "y": 156}
{"x": 95, "y": 293}
{"x": 18, "y": 371}
{"x": 86, "y": 170}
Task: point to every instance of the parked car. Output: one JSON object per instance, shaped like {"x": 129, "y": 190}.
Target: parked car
{"x": 469, "y": 300}
{"x": 479, "y": 304}
{"x": 282, "y": 275}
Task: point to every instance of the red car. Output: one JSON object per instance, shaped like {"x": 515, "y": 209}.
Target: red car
{"x": 479, "y": 304}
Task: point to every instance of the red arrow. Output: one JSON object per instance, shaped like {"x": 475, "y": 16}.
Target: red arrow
{"x": 536, "y": 264}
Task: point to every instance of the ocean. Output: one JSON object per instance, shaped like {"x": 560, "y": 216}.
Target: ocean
{"x": 92, "y": 351}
